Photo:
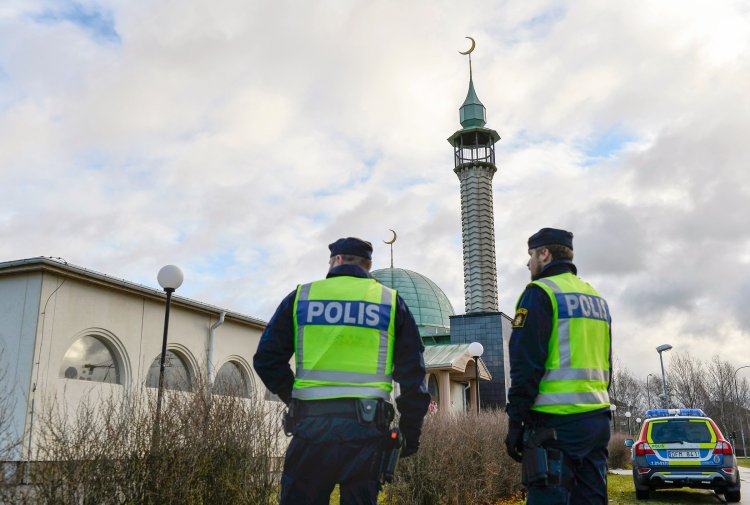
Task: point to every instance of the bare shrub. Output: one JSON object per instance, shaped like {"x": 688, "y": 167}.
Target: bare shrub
{"x": 9, "y": 440}
{"x": 462, "y": 459}
{"x": 211, "y": 449}
{"x": 619, "y": 454}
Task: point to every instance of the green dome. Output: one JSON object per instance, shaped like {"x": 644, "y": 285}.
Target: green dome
{"x": 427, "y": 302}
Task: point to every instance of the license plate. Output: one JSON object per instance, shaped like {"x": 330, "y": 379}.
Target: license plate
{"x": 682, "y": 454}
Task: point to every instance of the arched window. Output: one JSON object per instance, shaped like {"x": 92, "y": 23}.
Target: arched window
{"x": 90, "y": 359}
{"x": 433, "y": 388}
{"x": 176, "y": 373}
{"x": 233, "y": 380}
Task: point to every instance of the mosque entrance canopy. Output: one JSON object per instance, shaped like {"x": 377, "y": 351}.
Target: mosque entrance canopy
{"x": 456, "y": 359}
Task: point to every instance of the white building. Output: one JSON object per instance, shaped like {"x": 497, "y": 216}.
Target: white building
{"x": 66, "y": 331}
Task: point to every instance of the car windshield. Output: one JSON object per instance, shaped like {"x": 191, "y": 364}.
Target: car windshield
{"x": 680, "y": 430}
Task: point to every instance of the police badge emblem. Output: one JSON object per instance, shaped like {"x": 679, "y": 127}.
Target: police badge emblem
{"x": 520, "y": 319}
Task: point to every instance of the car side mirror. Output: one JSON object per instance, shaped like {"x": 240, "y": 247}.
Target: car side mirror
{"x": 629, "y": 442}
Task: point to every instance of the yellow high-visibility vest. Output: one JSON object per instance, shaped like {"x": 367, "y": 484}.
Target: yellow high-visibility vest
{"x": 577, "y": 367}
{"x": 344, "y": 330}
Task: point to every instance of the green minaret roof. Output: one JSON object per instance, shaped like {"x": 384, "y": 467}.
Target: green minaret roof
{"x": 472, "y": 112}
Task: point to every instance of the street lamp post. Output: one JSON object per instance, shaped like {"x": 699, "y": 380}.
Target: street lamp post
{"x": 628, "y": 414}
{"x": 476, "y": 350}
{"x": 661, "y": 349}
{"x": 742, "y": 418}
{"x": 638, "y": 422}
{"x": 613, "y": 408}
{"x": 648, "y": 391}
{"x": 170, "y": 278}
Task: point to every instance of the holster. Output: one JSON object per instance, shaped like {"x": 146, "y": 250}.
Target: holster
{"x": 290, "y": 417}
{"x": 390, "y": 452}
{"x": 542, "y": 466}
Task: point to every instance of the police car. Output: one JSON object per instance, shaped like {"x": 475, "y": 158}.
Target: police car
{"x": 683, "y": 448}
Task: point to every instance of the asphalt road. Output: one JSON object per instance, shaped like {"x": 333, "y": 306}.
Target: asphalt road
{"x": 745, "y": 477}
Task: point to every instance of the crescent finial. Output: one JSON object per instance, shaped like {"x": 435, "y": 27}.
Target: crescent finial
{"x": 390, "y": 243}
{"x": 473, "y": 45}
{"x": 393, "y": 239}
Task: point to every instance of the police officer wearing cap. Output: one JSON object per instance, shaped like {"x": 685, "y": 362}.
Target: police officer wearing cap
{"x": 351, "y": 337}
{"x": 560, "y": 355}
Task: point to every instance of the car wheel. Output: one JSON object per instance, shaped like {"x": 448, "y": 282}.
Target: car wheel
{"x": 732, "y": 496}
{"x": 638, "y": 486}
{"x": 644, "y": 494}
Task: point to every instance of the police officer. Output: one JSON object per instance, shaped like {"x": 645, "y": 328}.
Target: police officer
{"x": 351, "y": 337}
{"x": 560, "y": 354}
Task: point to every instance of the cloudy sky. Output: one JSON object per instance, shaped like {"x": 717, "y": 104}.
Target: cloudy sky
{"x": 238, "y": 138}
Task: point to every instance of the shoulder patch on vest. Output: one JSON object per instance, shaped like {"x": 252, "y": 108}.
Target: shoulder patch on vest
{"x": 520, "y": 318}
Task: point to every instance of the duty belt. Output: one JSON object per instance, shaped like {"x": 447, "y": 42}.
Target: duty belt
{"x": 346, "y": 407}
{"x": 365, "y": 410}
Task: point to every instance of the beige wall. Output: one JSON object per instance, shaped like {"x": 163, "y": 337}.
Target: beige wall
{"x": 452, "y": 396}
{"x": 458, "y": 400}
{"x": 132, "y": 323}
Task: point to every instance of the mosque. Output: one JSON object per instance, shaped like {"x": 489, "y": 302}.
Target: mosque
{"x": 445, "y": 334}
{"x": 67, "y": 332}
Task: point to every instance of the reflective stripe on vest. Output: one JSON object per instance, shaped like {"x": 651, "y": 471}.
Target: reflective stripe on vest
{"x": 350, "y": 322}
{"x": 572, "y": 398}
{"x": 329, "y": 392}
{"x": 577, "y": 375}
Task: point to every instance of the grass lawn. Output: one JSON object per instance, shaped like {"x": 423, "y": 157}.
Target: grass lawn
{"x": 744, "y": 462}
{"x": 621, "y": 492}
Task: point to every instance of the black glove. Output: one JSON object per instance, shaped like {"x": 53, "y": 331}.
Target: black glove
{"x": 411, "y": 444}
{"x": 514, "y": 440}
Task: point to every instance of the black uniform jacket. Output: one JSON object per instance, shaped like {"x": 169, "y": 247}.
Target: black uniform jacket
{"x": 529, "y": 346}
{"x": 276, "y": 348}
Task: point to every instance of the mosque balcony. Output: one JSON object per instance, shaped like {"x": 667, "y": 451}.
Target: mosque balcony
{"x": 474, "y": 146}
{"x": 477, "y": 136}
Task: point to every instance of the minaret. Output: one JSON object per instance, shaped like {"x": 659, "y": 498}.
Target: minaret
{"x": 474, "y": 158}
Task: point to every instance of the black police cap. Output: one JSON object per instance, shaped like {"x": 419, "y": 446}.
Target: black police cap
{"x": 351, "y": 246}
{"x": 551, "y": 236}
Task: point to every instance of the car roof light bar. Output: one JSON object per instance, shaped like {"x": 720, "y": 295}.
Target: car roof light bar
{"x": 675, "y": 412}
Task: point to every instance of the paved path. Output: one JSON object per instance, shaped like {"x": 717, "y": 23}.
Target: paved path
{"x": 745, "y": 478}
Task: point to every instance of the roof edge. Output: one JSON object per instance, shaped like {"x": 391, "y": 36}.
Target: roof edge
{"x": 43, "y": 263}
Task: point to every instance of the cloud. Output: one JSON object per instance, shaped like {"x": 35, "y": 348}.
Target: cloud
{"x": 237, "y": 139}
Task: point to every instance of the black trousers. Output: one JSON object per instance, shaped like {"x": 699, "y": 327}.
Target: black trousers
{"x": 585, "y": 443}
{"x": 326, "y": 451}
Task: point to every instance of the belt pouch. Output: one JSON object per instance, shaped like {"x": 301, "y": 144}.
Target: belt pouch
{"x": 385, "y": 415}
{"x": 534, "y": 466}
{"x": 366, "y": 410}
